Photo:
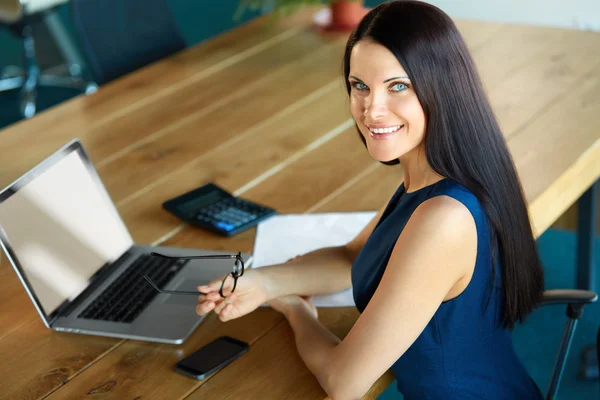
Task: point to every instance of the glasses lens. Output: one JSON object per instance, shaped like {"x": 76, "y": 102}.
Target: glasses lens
{"x": 238, "y": 270}
{"x": 228, "y": 285}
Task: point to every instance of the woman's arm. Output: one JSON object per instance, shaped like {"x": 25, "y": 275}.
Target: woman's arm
{"x": 322, "y": 271}
{"x": 435, "y": 253}
{"x": 325, "y": 270}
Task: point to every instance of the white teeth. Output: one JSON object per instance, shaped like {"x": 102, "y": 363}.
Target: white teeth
{"x": 385, "y": 130}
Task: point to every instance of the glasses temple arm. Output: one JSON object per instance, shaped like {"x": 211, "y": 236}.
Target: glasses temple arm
{"x": 213, "y": 257}
{"x": 170, "y": 291}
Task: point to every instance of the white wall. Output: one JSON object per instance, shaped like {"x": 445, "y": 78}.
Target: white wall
{"x": 575, "y": 14}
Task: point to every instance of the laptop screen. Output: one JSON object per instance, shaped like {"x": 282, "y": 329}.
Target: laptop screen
{"x": 62, "y": 227}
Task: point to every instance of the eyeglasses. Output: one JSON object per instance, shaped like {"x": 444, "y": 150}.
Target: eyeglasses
{"x": 238, "y": 270}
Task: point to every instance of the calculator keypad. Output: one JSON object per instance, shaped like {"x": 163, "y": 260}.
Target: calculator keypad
{"x": 228, "y": 214}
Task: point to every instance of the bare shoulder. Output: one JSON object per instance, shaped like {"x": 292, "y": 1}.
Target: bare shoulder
{"x": 444, "y": 213}
{"x": 445, "y": 226}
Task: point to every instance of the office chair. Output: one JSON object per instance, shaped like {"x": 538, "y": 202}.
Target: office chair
{"x": 575, "y": 300}
{"x": 120, "y": 36}
{"x": 19, "y": 16}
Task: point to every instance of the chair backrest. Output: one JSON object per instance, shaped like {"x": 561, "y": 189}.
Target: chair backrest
{"x": 120, "y": 36}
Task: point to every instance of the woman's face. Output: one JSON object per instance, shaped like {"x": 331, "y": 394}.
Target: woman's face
{"x": 383, "y": 103}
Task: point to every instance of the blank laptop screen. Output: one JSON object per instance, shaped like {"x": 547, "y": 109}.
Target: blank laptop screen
{"x": 62, "y": 229}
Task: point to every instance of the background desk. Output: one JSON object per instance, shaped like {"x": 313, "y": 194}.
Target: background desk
{"x": 263, "y": 113}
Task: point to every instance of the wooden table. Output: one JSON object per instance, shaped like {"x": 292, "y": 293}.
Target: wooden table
{"x": 261, "y": 112}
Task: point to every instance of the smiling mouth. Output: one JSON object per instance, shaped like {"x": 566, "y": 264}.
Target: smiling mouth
{"x": 382, "y": 131}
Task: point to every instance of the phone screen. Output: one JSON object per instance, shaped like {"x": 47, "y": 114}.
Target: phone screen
{"x": 212, "y": 356}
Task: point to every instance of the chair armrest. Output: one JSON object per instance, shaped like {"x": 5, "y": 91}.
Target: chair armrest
{"x": 568, "y": 296}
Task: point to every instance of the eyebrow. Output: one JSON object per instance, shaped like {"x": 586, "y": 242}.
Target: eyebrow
{"x": 386, "y": 81}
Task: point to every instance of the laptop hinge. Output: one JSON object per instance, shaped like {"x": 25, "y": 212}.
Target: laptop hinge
{"x": 96, "y": 280}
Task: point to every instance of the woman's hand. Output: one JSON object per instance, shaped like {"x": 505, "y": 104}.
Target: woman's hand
{"x": 285, "y": 304}
{"x": 250, "y": 293}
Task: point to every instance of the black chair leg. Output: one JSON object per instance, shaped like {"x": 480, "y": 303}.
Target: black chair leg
{"x": 563, "y": 352}
{"x": 29, "y": 88}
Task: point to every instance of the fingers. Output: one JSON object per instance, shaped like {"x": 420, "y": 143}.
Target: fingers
{"x": 215, "y": 285}
{"x": 205, "y": 307}
{"x": 229, "y": 312}
{"x": 212, "y": 296}
{"x": 232, "y": 298}
{"x": 214, "y": 303}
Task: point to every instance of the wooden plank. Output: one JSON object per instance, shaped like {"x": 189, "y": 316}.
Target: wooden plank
{"x": 42, "y": 360}
{"x": 183, "y": 135}
{"x": 145, "y": 370}
{"x": 368, "y": 191}
{"x": 499, "y": 56}
{"x": 313, "y": 177}
{"x": 16, "y": 308}
{"x": 84, "y": 115}
{"x": 250, "y": 78}
{"x": 301, "y": 184}
{"x": 555, "y": 167}
{"x": 246, "y": 157}
{"x": 519, "y": 94}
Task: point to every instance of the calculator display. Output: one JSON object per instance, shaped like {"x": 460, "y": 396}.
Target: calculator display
{"x": 194, "y": 205}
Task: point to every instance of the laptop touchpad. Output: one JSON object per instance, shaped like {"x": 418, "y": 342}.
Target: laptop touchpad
{"x": 187, "y": 299}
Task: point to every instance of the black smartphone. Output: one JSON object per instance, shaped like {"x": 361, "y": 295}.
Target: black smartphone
{"x": 211, "y": 357}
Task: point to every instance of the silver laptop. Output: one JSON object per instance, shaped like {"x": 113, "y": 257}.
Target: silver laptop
{"x": 79, "y": 264}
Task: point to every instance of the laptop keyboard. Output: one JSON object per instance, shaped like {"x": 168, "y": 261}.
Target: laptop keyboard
{"x": 130, "y": 294}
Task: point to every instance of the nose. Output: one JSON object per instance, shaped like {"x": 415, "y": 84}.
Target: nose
{"x": 375, "y": 107}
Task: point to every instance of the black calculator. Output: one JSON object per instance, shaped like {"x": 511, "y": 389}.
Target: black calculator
{"x": 212, "y": 208}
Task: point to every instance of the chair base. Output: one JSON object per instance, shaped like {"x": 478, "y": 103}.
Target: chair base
{"x": 28, "y": 81}
{"x": 30, "y": 77}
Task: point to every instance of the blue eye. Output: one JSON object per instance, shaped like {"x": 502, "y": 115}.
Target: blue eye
{"x": 398, "y": 87}
{"x": 359, "y": 86}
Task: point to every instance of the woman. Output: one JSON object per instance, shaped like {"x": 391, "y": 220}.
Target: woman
{"x": 449, "y": 265}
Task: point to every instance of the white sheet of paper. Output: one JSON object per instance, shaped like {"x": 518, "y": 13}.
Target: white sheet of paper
{"x": 282, "y": 237}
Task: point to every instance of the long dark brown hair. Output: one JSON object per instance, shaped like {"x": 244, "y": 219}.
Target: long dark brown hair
{"x": 463, "y": 140}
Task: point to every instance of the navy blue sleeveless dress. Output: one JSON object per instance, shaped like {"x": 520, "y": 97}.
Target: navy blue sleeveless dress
{"x": 464, "y": 352}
